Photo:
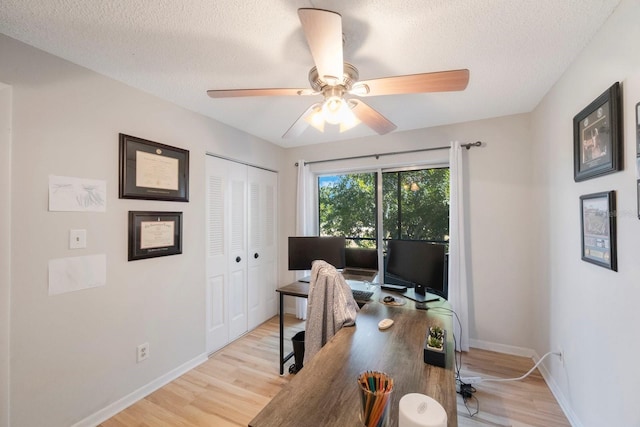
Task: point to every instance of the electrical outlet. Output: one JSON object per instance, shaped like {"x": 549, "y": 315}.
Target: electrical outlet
{"x": 143, "y": 352}
{"x": 471, "y": 380}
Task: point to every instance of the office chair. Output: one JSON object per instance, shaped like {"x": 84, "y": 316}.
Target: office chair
{"x": 330, "y": 307}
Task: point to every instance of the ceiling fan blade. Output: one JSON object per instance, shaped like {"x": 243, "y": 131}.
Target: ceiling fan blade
{"x": 301, "y": 124}
{"x": 323, "y": 30}
{"x": 233, "y": 93}
{"x": 371, "y": 117}
{"x": 443, "y": 81}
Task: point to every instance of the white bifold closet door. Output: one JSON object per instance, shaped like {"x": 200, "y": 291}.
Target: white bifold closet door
{"x": 262, "y": 266}
{"x": 241, "y": 249}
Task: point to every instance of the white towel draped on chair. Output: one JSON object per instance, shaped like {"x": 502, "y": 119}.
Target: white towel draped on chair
{"x": 330, "y": 307}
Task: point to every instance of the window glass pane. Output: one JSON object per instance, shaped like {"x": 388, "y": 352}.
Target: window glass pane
{"x": 416, "y": 204}
{"x": 347, "y": 207}
{"x": 390, "y": 219}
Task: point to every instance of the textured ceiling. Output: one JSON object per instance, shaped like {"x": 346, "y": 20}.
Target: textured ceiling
{"x": 514, "y": 49}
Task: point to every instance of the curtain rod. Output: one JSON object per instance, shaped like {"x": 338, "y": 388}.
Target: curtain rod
{"x": 392, "y": 153}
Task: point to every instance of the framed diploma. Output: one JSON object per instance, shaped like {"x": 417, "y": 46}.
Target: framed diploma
{"x": 153, "y": 171}
{"x": 154, "y": 234}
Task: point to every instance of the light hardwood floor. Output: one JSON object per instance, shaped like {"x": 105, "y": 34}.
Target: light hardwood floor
{"x": 239, "y": 380}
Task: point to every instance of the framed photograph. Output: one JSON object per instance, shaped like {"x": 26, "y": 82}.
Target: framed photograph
{"x": 598, "y": 222}
{"x": 153, "y": 171}
{"x": 597, "y": 136}
{"x": 154, "y": 234}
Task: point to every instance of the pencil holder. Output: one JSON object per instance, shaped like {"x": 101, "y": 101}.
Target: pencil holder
{"x": 375, "y": 397}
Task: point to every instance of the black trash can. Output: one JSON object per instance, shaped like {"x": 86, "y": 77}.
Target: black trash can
{"x": 298, "y": 352}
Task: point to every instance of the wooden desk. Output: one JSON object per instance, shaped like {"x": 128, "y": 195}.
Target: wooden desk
{"x": 325, "y": 393}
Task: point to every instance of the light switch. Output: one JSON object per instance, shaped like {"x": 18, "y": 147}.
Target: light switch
{"x": 77, "y": 239}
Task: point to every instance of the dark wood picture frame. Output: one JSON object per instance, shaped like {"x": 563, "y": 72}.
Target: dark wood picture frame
{"x": 154, "y": 234}
{"x": 152, "y": 171}
{"x": 598, "y": 229}
{"x": 638, "y": 129}
{"x": 597, "y": 136}
{"x": 638, "y": 197}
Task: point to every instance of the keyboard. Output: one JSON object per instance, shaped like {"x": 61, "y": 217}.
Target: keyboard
{"x": 360, "y": 295}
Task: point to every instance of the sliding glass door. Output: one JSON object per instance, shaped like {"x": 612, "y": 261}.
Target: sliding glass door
{"x": 414, "y": 205}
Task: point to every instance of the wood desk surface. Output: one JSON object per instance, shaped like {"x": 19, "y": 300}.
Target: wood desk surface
{"x": 325, "y": 392}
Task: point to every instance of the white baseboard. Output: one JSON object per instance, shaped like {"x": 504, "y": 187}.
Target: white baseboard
{"x": 120, "y": 405}
{"x": 557, "y": 393}
{"x": 527, "y": 352}
{"x": 502, "y": 348}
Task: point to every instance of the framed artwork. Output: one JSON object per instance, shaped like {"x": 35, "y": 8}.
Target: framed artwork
{"x": 638, "y": 128}
{"x": 597, "y": 136}
{"x": 154, "y": 234}
{"x": 153, "y": 171}
{"x": 638, "y": 194}
{"x": 598, "y": 222}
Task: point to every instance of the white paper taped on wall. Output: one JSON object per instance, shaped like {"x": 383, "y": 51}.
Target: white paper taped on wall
{"x": 77, "y": 273}
{"x": 68, "y": 194}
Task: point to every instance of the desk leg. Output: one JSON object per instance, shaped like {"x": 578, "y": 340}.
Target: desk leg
{"x": 281, "y": 333}
{"x": 283, "y": 358}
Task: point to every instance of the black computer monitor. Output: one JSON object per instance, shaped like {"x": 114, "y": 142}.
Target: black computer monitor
{"x": 304, "y": 250}
{"x": 421, "y": 264}
{"x": 361, "y": 258}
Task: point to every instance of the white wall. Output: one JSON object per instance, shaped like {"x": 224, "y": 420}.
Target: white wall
{"x": 5, "y": 248}
{"x": 580, "y": 307}
{"x": 499, "y": 206}
{"x": 74, "y": 354}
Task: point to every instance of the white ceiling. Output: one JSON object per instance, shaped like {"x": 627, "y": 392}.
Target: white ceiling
{"x": 177, "y": 49}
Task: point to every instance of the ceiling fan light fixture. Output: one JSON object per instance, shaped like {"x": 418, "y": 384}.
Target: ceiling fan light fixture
{"x": 335, "y": 109}
{"x": 333, "y": 78}
{"x": 316, "y": 119}
{"x": 349, "y": 122}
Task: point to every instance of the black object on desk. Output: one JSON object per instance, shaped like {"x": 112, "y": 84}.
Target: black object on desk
{"x": 422, "y": 305}
{"x": 397, "y": 288}
{"x": 412, "y": 294}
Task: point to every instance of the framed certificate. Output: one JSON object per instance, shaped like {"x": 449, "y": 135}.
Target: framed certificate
{"x": 153, "y": 171}
{"x": 154, "y": 234}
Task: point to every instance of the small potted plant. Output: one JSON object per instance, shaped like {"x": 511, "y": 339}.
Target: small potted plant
{"x": 434, "y": 348}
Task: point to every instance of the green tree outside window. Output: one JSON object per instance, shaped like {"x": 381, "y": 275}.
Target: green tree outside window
{"x": 415, "y": 206}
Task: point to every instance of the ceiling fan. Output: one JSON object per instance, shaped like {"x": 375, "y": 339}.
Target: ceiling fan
{"x": 337, "y": 81}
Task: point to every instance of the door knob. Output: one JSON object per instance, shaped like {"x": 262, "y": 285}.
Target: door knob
{"x": 256, "y": 255}
{"x": 238, "y": 259}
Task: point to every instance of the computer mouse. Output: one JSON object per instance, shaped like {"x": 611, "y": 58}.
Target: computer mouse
{"x": 385, "y": 323}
